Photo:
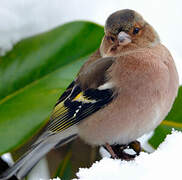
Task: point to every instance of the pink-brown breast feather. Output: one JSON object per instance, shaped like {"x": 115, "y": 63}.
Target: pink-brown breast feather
{"x": 147, "y": 84}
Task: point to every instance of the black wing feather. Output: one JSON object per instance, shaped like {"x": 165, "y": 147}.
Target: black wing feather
{"x": 82, "y": 97}
{"x": 72, "y": 111}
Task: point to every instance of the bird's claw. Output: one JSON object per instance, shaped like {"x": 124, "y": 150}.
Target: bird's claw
{"x": 135, "y": 145}
{"x": 118, "y": 151}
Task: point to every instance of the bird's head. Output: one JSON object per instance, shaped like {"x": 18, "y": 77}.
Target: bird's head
{"x": 126, "y": 30}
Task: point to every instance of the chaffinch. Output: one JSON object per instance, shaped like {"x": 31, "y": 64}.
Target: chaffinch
{"x": 124, "y": 90}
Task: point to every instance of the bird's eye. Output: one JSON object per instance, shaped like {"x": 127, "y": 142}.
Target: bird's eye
{"x": 136, "y": 30}
{"x": 111, "y": 38}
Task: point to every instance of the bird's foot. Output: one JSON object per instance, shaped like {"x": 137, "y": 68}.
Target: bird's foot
{"x": 136, "y": 146}
{"x": 119, "y": 151}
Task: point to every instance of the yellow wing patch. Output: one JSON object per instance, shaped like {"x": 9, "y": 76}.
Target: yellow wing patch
{"x": 63, "y": 117}
{"x": 60, "y": 120}
{"x": 81, "y": 98}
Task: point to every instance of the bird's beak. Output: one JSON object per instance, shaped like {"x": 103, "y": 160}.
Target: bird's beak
{"x": 124, "y": 38}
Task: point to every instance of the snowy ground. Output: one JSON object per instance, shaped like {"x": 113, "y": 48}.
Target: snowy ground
{"x": 164, "y": 163}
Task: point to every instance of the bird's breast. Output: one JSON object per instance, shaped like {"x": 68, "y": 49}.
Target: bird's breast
{"x": 146, "y": 89}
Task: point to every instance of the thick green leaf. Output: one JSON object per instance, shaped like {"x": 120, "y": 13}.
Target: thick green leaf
{"x": 35, "y": 73}
{"x": 175, "y": 114}
{"x": 65, "y": 169}
{"x": 172, "y": 121}
{"x": 160, "y": 134}
{"x": 37, "y": 56}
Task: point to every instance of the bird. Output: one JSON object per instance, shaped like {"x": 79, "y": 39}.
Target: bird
{"x": 124, "y": 90}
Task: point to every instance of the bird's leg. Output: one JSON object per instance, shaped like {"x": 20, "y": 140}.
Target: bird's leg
{"x": 118, "y": 151}
{"x": 110, "y": 150}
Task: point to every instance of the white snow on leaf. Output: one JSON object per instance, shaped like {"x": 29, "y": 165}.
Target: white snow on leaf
{"x": 164, "y": 163}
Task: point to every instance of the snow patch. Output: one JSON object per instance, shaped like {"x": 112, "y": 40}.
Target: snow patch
{"x": 164, "y": 163}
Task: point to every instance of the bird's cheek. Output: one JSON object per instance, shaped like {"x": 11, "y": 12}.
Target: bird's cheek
{"x": 112, "y": 51}
{"x": 105, "y": 48}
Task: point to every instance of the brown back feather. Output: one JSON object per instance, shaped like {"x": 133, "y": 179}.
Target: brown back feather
{"x": 95, "y": 74}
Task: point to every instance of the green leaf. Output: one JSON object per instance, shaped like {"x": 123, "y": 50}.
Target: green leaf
{"x": 175, "y": 114}
{"x": 172, "y": 121}
{"x": 65, "y": 169}
{"x": 35, "y": 73}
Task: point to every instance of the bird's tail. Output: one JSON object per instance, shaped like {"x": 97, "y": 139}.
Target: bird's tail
{"x": 38, "y": 150}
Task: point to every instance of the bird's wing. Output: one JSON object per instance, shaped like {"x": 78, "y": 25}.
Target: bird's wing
{"x": 83, "y": 97}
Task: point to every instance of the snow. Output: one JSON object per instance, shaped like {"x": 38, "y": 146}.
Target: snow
{"x": 40, "y": 171}
{"x": 144, "y": 141}
{"x": 164, "y": 163}
{"x": 8, "y": 158}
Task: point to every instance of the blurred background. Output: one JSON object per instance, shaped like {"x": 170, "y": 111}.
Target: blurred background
{"x": 23, "y": 18}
